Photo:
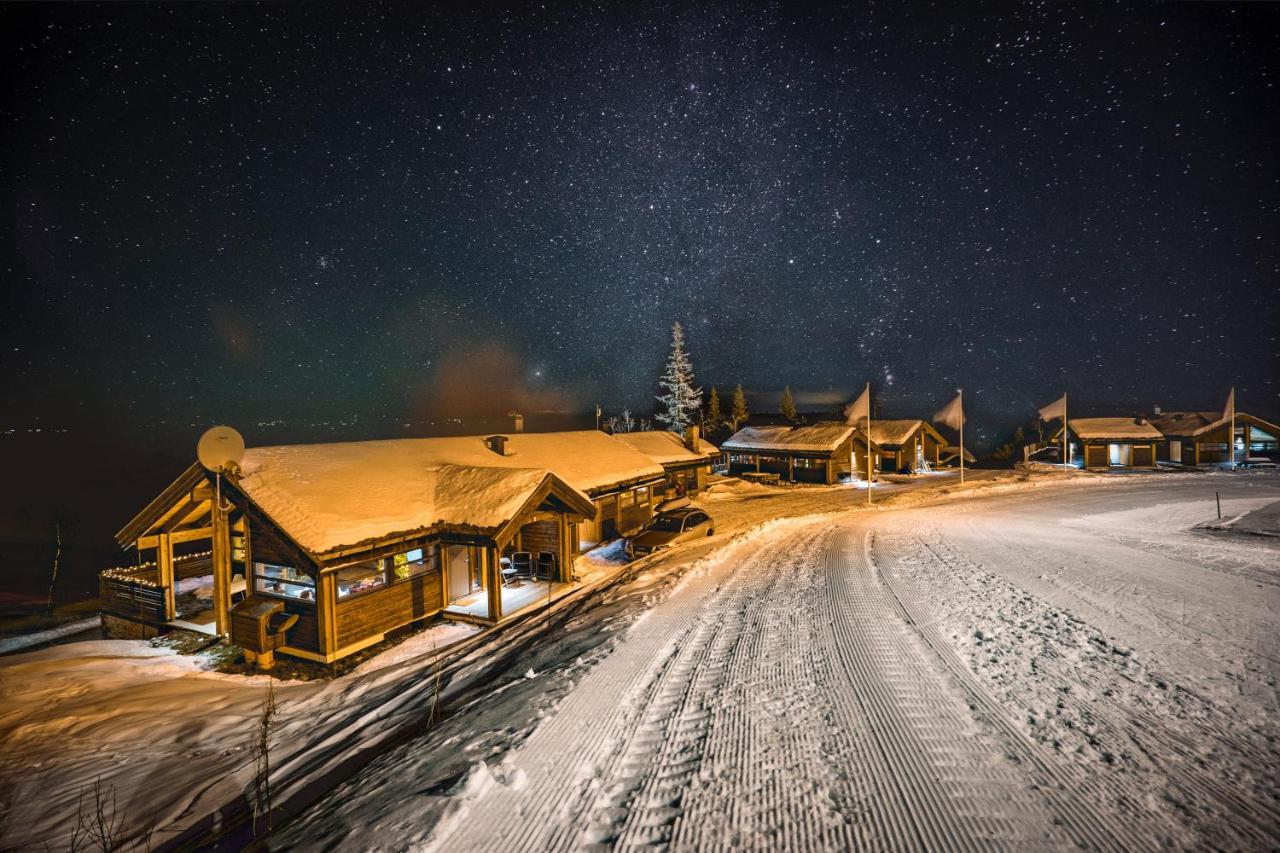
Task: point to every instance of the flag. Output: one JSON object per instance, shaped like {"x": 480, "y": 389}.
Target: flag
{"x": 1230, "y": 411}
{"x": 859, "y": 411}
{"x": 1056, "y": 409}
{"x": 952, "y": 414}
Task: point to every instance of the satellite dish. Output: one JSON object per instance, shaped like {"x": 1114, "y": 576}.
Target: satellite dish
{"x": 220, "y": 448}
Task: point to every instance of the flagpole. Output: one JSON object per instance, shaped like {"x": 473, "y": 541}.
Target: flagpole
{"x": 961, "y": 395}
{"x": 1231, "y": 436}
{"x": 868, "y": 393}
{"x": 1064, "y": 429}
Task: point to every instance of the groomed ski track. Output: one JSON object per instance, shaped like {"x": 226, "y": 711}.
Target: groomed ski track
{"x": 785, "y": 697}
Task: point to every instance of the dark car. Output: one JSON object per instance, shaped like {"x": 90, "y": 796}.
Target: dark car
{"x": 668, "y": 528}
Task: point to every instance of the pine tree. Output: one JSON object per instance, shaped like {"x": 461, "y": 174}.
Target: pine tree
{"x": 715, "y": 417}
{"x": 680, "y": 401}
{"x": 787, "y": 408}
{"x": 738, "y": 411}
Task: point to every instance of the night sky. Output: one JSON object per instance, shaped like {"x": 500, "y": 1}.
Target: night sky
{"x": 393, "y": 214}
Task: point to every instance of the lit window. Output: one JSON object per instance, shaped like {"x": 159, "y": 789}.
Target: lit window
{"x": 361, "y": 577}
{"x": 284, "y": 581}
{"x": 416, "y": 562}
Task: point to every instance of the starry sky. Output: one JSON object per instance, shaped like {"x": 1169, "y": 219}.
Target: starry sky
{"x": 395, "y": 214}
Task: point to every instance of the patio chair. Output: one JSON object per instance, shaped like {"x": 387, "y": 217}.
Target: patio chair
{"x": 522, "y": 562}
{"x": 546, "y": 567}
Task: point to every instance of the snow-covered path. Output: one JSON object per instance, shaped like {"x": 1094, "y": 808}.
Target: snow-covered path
{"x": 778, "y": 700}
{"x": 862, "y": 681}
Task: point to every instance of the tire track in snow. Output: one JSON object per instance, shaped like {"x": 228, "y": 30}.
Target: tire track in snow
{"x": 585, "y": 749}
{"x": 940, "y": 782}
{"x": 776, "y": 701}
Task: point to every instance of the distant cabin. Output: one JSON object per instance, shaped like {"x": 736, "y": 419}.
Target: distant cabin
{"x": 686, "y": 459}
{"x": 1113, "y": 443}
{"x": 1200, "y": 438}
{"x": 361, "y": 538}
{"x": 823, "y": 452}
{"x": 907, "y": 445}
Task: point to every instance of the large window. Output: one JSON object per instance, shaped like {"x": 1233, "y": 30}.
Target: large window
{"x": 283, "y": 581}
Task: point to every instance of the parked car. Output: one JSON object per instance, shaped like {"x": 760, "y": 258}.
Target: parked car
{"x": 668, "y": 528}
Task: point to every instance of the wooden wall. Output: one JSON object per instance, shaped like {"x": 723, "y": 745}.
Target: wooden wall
{"x": 541, "y": 536}
{"x": 373, "y": 613}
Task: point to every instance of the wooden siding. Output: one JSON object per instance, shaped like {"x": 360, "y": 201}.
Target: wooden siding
{"x": 541, "y": 536}
{"x": 382, "y": 610}
{"x": 305, "y": 634}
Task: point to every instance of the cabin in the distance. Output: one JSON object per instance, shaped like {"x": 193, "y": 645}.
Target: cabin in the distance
{"x": 1114, "y": 443}
{"x": 1200, "y": 438}
{"x": 339, "y": 544}
{"x": 907, "y": 445}
{"x": 686, "y": 459}
{"x": 823, "y": 452}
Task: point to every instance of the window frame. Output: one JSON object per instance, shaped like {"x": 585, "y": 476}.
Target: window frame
{"x": 255, "y": 575}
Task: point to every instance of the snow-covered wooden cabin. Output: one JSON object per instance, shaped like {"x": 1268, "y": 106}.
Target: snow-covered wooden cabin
{"x": 1200, "y": 438}
{"x": 815, "y": 453}
{"x": 1111, "y": 443}
{"x": 357, "y": 539}
{"x": 686, "y": 459}
{"x": 907, "y": 445}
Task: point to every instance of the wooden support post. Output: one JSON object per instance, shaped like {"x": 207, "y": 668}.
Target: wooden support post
{"x": 327, "y": 611}
{"x": 221, "y": 572}
{"x": 489, "y": 567}
{"x": 566, "y": 550}
{"x": 164, "y": 573}
{"x": 791, "y": 468}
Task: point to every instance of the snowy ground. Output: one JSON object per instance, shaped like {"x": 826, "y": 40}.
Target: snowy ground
{"x": 1057, "y": 661}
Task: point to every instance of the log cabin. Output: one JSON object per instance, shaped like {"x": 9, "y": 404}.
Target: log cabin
{"x": 1200, "y": 438}
{"x": 349, "y": 541}
{"x": 686, "y": 460}
{"x": 1113, "y": 443}
{"x": 824, "y": 452}
{"x": 907, "y": 445}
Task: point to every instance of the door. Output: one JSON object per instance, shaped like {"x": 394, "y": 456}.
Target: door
{"x": 1119, "y": 455}
{"x": 1175, "y": 450}
{"x": 460, "y": 570}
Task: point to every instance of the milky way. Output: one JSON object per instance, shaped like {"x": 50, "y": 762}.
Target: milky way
{"x": 254, "y": 212}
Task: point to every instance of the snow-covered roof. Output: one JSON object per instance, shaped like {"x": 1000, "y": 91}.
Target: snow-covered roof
{"x": 1186, "y": 423}
{"x": 893, "y": 432}
{"x": 1124, "y": 428}
{"x": 665, "y": 447}
{"x": 816, "y": 438}
{"x": 329, "y": 496}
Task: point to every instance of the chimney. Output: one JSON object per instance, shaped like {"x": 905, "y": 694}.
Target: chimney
{"x": 498, "y": 444}
{"x": 1156, "y": 409}
{"x": 691, "y": 435}
{"x": 519, "y": 421}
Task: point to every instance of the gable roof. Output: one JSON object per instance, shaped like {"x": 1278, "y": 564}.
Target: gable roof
{"x": 1122, "y": 428}
{"x": 891, "y": 433}
{"x": 329, "y": 497}
{"x": 667, "y": 448}
{"x": 815, "y": 438}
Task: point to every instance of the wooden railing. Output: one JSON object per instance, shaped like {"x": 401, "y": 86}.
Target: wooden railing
{"x": 133, "y": 594}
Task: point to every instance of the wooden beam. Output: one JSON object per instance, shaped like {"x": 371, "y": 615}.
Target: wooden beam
{"x": 176, "y": 537}
{"x": 221, "y": 572}
{"x": 192, "y": 511}
{"x": 489, "y": 566}
{"x": 164, "y": 573}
